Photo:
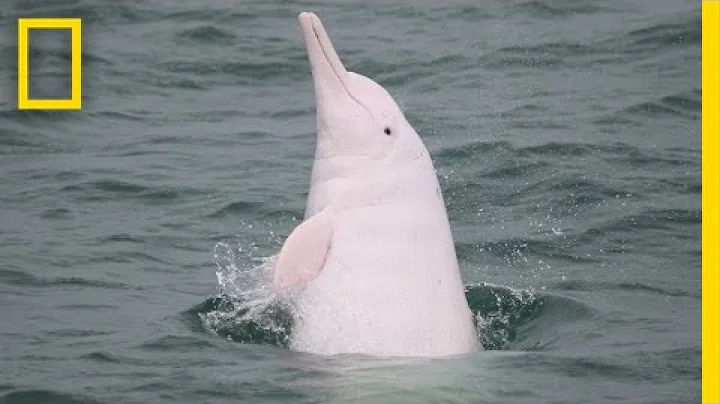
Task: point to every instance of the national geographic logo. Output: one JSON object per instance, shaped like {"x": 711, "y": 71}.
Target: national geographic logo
{"x": 24, "y": 101}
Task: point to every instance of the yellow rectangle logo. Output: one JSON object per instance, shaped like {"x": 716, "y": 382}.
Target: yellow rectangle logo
{"x": 24, "y": 27}
{"x": 710, "y": 201}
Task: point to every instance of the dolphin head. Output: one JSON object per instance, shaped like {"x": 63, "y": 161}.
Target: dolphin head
{"x": 357, "y": 119}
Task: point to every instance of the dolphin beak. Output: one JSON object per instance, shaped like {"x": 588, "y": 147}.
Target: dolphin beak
{"x": 329, "y": 74}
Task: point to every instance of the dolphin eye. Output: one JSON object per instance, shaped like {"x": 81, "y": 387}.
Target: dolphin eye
{"x": 387, "y": 131}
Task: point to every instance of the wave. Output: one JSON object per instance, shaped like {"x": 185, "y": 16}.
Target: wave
{"x": 561, "y": 9}
{"x": 46, "y": 396}
{"x": 587, "y": 286}
{"x": 632, "y": 47}
{"x": 19, "y": 278}
{"x": 686, "y": 104}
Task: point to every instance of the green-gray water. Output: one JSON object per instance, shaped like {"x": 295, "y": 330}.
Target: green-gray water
{"x": 566, "y": 135}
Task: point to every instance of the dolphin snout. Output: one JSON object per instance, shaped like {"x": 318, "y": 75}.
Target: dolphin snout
{"x": 327, "y": 68}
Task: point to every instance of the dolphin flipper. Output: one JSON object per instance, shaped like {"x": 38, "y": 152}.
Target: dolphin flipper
{"x": 303, "y": 255}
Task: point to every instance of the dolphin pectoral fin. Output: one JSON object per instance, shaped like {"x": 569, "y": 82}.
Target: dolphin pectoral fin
{"x": 303, "y": 255}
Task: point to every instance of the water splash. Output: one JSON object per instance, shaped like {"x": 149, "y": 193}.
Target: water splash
{"x": 499, "y": 311}
{"x": 246, "y": 309}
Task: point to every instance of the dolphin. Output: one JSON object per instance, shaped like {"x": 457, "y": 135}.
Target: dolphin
{"x": 372, "y": 269}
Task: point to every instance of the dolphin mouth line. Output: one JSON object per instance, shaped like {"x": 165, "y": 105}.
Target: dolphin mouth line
{"x": 340, "y": 73}
{"x": 322, "y": 41}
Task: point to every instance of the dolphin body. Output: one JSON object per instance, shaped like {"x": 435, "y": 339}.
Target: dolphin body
{"x": 372, "y": 269}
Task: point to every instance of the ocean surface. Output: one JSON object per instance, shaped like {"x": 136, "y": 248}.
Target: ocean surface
{"x": 565, "y": 133}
